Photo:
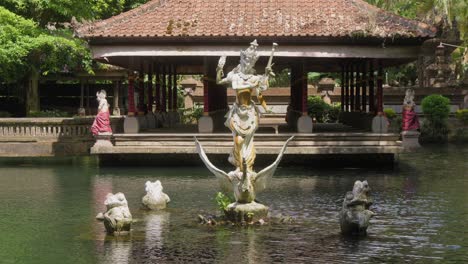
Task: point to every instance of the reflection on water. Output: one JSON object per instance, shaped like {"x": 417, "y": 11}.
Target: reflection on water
{"x": 47, "y": 214}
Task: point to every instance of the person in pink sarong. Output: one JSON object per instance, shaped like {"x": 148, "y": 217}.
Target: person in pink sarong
{"x": 101, "y": 123}
{"x": 410, "y": 119}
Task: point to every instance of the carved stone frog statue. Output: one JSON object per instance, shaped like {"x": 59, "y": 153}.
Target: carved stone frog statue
{"x": 155, "y": 199}
{"x": 118, "y": 218}
{"x": 355, "y": 214}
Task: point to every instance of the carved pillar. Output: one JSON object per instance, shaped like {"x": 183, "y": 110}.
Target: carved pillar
{"x": 81, "y": 110}
{"x": 131, "y": 95}
{"x": 163, "y": 90}
{"x": 141, "y": 92}
{"x": 87, "y": 96}
{"x": 347, "y": 88}
{"x": 158, "y": 86}
{"x": 116, "y": 110}
{"x": 174, "y": 89}
{"x": 380, "y": 87}
{"x": 357, "y": 103}
{"x": 150, "y": 88}
{"x": 352, "y": 87}
{"x": 364, "y": 87}
{"x": 371, "y": 88}
{"x": 342, "y": 88}
{"x": 170, "y": 73}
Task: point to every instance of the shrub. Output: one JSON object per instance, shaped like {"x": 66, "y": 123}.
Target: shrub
{"x": 390, "y": 113}
{"x": 191, "y": 115}
{"x": 321, "y": 111}
{"x": 462, "y": 115}
{"x": 436, "y": 109}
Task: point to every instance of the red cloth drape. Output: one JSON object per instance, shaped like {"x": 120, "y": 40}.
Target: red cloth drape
{"x": 410, "y": 120}
{"x": 101, "y": 123}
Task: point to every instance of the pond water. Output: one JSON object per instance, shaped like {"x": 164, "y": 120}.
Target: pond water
{"x": 48, "y": 209}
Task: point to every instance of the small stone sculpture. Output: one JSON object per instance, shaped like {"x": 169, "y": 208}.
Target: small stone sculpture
{"x": 101, "y": 124}
{"x": 355, "y": 214}
{"x": 155, "y": 199}
{"x": 118, "y": 218}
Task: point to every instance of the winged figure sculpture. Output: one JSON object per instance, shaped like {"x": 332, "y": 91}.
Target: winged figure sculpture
{"x": 245, "y": 184}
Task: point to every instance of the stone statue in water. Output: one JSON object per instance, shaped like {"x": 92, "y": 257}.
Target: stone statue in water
{"x": 242, "y": 119}
{"x": 101, "y": 124}
{"x": 118, "y": 218}
{"x": 155, "y": 199}
{"x": 355, "y": 214}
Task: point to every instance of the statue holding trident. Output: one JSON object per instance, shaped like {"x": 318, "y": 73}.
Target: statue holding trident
{"x": 242, "y": 119}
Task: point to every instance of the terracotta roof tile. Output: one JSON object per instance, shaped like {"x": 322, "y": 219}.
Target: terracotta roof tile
{"x": 230, "y": 18}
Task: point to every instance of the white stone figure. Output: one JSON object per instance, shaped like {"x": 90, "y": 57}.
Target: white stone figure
{"x": 355, "y": 213}
{"x": 155, "y": 199}
{"x": 101, "y": 124}
{"x": 118, "y": 218}
{"x": 242, "y": 118}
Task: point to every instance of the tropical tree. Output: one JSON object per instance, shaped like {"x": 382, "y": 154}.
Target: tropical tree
{"x": 26, "y": 51}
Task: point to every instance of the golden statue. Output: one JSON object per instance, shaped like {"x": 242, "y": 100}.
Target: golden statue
{"x": 242, "y": 118}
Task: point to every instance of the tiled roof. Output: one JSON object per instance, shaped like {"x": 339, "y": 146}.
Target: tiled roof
{"x": 174, "y": 19}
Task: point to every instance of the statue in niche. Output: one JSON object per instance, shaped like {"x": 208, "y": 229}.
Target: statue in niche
{"x": 117, "y": 219}
{"x": 410, "y": 119}
{"x": 101, "y": 124}
{"x": 242, "y": 119}
{"x": 355, "y": 213}
{"x": 155, "y": 199}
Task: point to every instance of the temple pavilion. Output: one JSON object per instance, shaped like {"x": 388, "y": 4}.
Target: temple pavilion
{"x": 165, "y": 38}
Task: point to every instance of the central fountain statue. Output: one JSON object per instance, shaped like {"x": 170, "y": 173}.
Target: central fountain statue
{"x": 242, "y": 119}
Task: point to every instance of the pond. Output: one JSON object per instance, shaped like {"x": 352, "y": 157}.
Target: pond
{"x": 48, "y": 209}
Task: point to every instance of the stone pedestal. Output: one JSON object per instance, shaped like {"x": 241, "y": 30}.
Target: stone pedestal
{"x": 103, "y": 140}
{"x": 380, "y": 124}
{"x": 304, "y": 124}
{"x": 410, "y": 139}
{"x": 131, "y": 125}
{"x": 205, "y": 124}
{"x": 249, "y": 212}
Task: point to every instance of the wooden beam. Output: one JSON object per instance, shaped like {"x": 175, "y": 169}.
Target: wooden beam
{"x": 312, "y": 51}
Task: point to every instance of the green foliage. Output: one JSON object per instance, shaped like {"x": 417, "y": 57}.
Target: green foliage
{"x": 436, "y": 109}
{"x": 223, "y": 201}
{"x": 435, "y": 12}
{"x": 191, "y": 115}
{"x": 462, "y": 115}
{"x": 48, "y": 113}
{"x": 321, "y": 111}
{"x": 282, "y": 79}
{"x": 25, "y": 47}
{"x": 390, "y": 113}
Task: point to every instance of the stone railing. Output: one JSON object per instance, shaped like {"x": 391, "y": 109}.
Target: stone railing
{"x": 45, "y": 127}
{"x": 50, "y": 127}
{"x": 48, "y": 136}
